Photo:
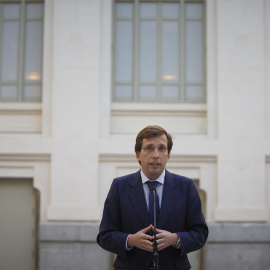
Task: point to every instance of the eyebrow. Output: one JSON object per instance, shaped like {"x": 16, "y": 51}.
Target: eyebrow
{"x": 152, "y": 145}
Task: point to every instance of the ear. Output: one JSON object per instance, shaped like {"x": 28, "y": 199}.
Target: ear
{"x": 138, "y": 156}
{"x": 169, "y": 156}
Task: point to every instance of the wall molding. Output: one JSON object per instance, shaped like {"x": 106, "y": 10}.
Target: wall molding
{"x": 20, "y": 118}
{"x": 174, "y": 158}
{"x": 152, "y": 109}
{"x": 25, "y": 157}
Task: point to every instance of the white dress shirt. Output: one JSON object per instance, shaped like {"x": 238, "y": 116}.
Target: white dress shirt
{"x": 159, "y": 188}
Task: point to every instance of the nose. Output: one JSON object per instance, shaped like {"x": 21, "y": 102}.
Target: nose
{"x": 156, "y": 153}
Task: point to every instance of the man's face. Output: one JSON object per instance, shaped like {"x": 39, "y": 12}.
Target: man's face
{"x": 153, "y": 156}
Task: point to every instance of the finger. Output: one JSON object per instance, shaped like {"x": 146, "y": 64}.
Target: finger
{"x": 149, "y": 246}
{"x": 146, "y": 229}
{"x": 158, "y": 230}
{"x": 146, "y": 245}
{"x": 146, "y": 237}
{"x": 160, "y": 235}
{"x": 159, "y": 242}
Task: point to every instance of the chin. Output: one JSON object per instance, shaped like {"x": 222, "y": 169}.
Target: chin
{"x": 155, "y": 175}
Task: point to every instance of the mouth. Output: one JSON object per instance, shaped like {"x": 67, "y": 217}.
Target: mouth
{"x": 154, "y": 164}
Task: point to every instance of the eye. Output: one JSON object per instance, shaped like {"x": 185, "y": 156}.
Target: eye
{"x": 162, "y": 148}
{"x": 147, "y": 148}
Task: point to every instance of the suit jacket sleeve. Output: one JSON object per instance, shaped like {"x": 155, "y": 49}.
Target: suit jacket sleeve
{"x": 196, "y": 231}
{"x": 110, "y": 236}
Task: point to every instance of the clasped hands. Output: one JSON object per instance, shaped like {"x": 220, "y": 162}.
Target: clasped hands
{"x": 144, "y": 241}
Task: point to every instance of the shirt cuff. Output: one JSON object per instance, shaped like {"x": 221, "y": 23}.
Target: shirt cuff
{"x": 127, "y": 248}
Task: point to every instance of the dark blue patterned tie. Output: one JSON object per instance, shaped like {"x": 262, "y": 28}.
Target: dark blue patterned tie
{"x": 152, "y": 185}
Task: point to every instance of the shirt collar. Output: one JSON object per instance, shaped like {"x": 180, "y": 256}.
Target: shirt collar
{"x": 160, "y": 179}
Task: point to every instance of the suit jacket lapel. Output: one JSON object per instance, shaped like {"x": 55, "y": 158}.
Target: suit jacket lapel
{"x": 169, "y": 199}
{"x": 136, "y": 195}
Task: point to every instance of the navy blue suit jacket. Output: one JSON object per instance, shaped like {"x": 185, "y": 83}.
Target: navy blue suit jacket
{"x": 125, "y": 212}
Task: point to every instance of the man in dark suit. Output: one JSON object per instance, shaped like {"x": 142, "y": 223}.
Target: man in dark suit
{"x": 126, "y": 228}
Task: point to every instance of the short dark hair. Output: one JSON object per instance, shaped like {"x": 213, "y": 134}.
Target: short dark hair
{"x": 152, "y": 131}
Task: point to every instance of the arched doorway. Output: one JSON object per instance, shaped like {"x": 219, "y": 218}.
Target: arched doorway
{"x": 19, "y": 215}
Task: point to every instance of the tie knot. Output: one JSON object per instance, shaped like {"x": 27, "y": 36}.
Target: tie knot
{"x": 152, "y": 185}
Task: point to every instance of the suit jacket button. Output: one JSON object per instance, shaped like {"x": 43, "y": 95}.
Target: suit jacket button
{"x": 147, "y": 263}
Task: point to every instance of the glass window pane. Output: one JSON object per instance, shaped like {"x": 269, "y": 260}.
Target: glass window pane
{"x": 194, "y": 51}
{"x": 147, "y": 91}
{"x": 124, "y": 10}
{"x": 33, "y": 76}
{"x": 124, "y": 51}
{"x": 148, "y": 10}
{"x": 124, "y": 91}
{"x": 9, "y": 92}
{"x": 194, "y": 11}
{"x": 9, "y": 51}
{"x": 33, "y": 50}
{"x": 170, "y": 10}
{"x": 34, "y": 11}
{"x": 11, "y": 11}
{"x": 170, "y": 51}
{"x": 150, "y": 31}
{"x": 194, "y": 92}
{"x": 170, "y": 91}
{"x": 148, "y": 53}
{"x": 32, "y": 92}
